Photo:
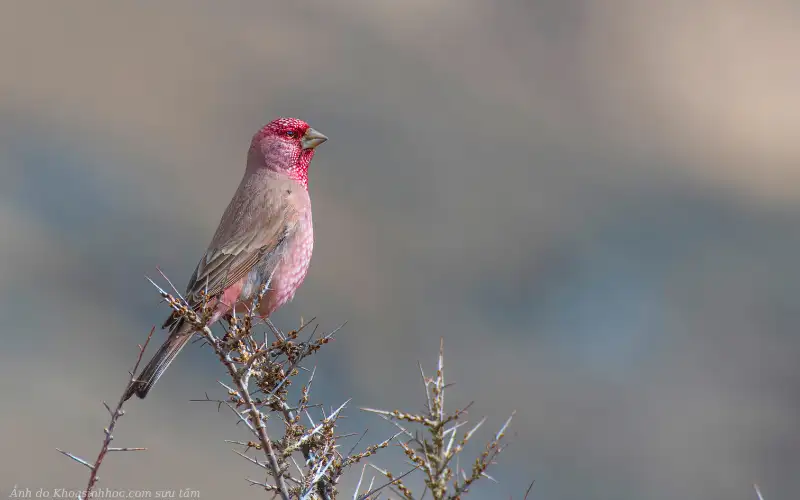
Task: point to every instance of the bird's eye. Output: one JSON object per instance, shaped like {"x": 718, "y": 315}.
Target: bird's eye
{"x": 290, "y": 133}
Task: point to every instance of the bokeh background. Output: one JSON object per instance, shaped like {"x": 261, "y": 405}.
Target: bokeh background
{"x": 597, "y": 204}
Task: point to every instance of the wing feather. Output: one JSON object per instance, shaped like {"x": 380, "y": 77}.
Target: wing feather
{"x": 252, "y": 231}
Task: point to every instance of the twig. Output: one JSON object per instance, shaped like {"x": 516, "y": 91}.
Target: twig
{"x": 258, "y": 424}
{"x": 528, "y": 491}
{"x": 115, "y": 414}
{"x": 391, "y": 482}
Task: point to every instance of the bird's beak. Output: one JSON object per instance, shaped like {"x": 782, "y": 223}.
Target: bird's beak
{"x": 312, "y": 139}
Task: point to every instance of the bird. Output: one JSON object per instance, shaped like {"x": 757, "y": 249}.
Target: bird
{"x": 264, "y": 235}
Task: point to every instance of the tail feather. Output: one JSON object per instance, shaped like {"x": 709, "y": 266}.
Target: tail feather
{"x": 160, "y": 362}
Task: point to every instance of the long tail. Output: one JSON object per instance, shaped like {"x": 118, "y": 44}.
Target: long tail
{"x": 160, "y": 362}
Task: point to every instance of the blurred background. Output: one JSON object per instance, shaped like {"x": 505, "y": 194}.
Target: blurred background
{"x": 596, "y": 204}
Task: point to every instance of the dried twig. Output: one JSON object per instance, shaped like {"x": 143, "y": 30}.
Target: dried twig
{"x": 260, "y": 388}
{"x": 115, "y": 415}
{"x": 435, "y": 453}
{"x": 261, "y": 374}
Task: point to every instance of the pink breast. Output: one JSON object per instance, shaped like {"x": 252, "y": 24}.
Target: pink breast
{"x": 292, "y": 270}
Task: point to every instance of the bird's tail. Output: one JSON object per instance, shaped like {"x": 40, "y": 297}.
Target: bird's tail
{"x": 178, "y": 338}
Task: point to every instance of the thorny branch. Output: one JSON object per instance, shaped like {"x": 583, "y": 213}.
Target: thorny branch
{"x": 261, "y": 374}
{"x": 271, "y": 367}
{"x": 433, "y": 454}
{"x": 116, "y": 413}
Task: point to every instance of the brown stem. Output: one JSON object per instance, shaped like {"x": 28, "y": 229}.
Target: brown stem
{"x": 258, "y": 422}
{"x": 118, "y": 412}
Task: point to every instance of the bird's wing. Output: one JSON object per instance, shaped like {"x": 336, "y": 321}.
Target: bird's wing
{"x": 251, "y": 228}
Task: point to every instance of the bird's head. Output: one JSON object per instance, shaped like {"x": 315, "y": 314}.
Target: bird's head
{"x": 285, "y": 145}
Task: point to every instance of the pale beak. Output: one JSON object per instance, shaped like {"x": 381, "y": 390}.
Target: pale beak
{"x": 312, "y": 139}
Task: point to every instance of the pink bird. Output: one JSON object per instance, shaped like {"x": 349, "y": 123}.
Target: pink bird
{"x": 265, "y": 232}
